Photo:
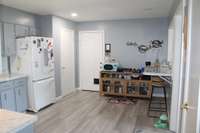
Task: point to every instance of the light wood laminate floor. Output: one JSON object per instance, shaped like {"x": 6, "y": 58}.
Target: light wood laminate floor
{"x": 87, "y": 112}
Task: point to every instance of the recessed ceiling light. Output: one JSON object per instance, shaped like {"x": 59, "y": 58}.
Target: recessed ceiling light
{"x": 74, "y": 14}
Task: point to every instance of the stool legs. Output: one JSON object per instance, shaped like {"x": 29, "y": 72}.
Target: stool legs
{"x": 157, "y": 109}
{"x": 150, "y": 101}
{"x": 165, "y": 96}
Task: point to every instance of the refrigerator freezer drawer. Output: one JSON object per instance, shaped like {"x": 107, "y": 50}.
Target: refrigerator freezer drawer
{"x": 44, "y": 91}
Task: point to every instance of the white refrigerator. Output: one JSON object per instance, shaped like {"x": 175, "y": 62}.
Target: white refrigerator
{"x": 35, "y": 58}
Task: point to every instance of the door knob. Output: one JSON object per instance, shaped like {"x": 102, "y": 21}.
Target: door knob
{"x": 185, "y": 106}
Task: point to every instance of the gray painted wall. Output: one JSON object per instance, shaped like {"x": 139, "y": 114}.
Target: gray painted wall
{"x": 58, "y": 24}
{"x": 138, "y": 30}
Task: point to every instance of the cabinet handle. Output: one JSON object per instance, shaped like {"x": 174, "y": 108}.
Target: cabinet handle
{"x": 5, "y": 97}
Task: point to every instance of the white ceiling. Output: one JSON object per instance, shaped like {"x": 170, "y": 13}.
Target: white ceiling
{"x": 91, "y": 10}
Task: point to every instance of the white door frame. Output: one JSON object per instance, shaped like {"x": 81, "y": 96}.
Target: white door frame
{"x": 103, "y": 48}
{"x": 62, "y": 92}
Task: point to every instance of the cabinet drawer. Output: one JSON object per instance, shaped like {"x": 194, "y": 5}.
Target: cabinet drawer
{"x": 6, "y": 85}
{"x": 20, "y": 82}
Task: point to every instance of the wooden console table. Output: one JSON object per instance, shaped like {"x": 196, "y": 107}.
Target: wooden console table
{"x": 124, "y": 84}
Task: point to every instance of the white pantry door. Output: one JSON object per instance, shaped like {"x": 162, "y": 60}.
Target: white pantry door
{"x": 91, "y": 45}
{"x": 190, "y": 115}
{"x": 67, "y": 61}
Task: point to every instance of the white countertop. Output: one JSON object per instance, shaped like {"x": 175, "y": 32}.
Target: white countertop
{"x": 157, "y": 74}
{"x": 6, "y": 77}
{"x": 166, "y": 72}
{"x": 11, "y": 122}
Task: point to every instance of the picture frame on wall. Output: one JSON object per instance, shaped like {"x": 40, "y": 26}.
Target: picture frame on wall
{"x": 107, "y": 47}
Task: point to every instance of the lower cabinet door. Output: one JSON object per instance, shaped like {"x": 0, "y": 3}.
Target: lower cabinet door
{"x": 8, "y": 100}
{"x": 21, "y": 98}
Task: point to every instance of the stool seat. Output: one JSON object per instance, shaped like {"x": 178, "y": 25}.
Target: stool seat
{"x": 157, "y": 84}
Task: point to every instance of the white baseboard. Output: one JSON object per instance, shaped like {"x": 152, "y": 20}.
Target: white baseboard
{"x": 58, "y": 98}
{"x": 79, "y": 88}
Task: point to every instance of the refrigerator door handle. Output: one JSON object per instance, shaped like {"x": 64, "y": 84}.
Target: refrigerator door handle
{"x": 46, "y": 58}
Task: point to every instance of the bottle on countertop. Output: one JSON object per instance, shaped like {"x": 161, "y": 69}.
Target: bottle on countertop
{"x": 157, "y": 65}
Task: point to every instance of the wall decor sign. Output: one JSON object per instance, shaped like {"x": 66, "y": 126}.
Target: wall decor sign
{"x": 144, "y": 48}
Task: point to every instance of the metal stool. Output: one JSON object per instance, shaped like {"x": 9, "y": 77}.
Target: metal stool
{"x": 160, "y": 84}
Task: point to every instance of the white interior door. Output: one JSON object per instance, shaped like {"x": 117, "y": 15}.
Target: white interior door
{"x": 91, "y": 44}
{"x": 190, "y": 116}
{"x": 67, "y": 61}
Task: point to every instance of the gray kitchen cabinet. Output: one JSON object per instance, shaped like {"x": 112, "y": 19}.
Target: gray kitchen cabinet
{"x": 33, "y": 31}
{"x": 21, "y": 95}
{"x": 8, "y": 40}
{"x": 21, "y": 30}
{"x": 13, "y": 95}
{"x": 8, "y": 99}
{"x": 1, "y": 34}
